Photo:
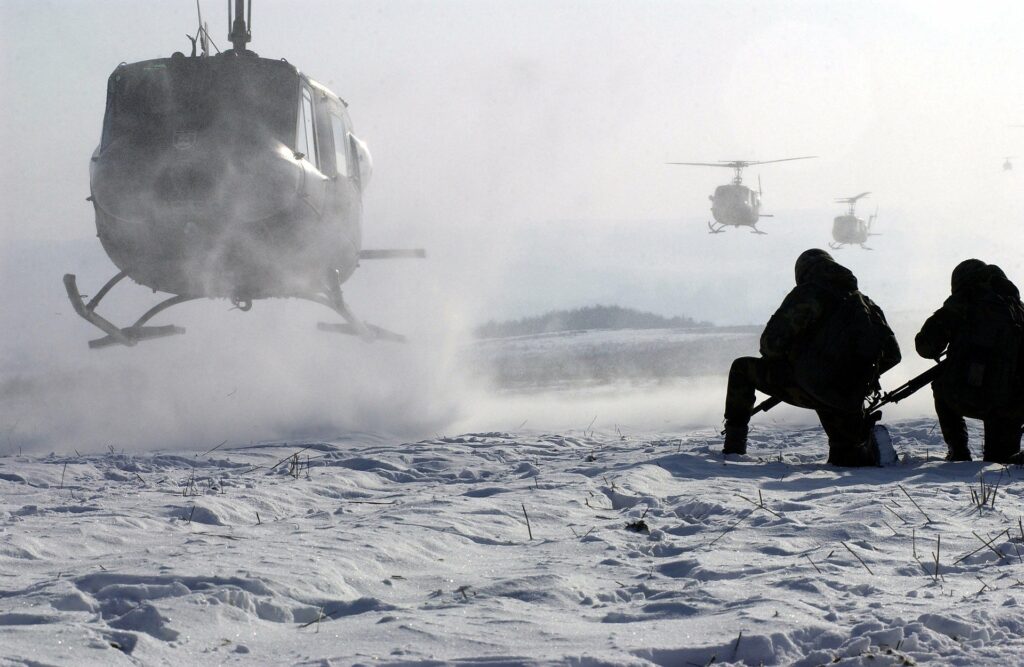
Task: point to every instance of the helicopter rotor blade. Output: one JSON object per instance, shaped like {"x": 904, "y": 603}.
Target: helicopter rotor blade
{"x": 852, "y": 200}
{"x": 788, "y": 159}
{"x": 705, "y": 164}
{"x": 740, "y": 164}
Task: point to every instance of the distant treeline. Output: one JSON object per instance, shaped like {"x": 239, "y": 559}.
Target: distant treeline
{"x": 591, "y": 317}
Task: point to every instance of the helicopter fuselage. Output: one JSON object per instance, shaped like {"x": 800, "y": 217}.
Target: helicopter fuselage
{"x": 735, "y": 205}
{"x": 849, "y": 229}
{"x": 227, "y": 176}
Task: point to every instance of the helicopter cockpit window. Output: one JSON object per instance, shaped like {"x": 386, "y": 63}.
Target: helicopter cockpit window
{"x": 159, "y": 101}
{"x": 307, "y": 135}
{"x": 340, "y": 143}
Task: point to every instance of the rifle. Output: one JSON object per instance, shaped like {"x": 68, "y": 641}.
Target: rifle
{"x": 908, "y": 389}
{"x": 895, "y": 396}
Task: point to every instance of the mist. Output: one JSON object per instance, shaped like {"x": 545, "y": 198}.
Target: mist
{"x": 523, "y": 145}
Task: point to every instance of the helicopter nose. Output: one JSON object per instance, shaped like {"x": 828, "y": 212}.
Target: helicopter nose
{"x": 185, "y": 182}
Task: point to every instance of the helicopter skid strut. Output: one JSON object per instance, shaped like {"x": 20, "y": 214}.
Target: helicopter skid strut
{"x": 128, "y": 336}
{"x": 715, "y": 230}
{"x": 352, "y": 325}
{"x": 139, "y": 331}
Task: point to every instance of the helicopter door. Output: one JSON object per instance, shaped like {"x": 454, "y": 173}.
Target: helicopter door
{"x": 306, "y": 143}
{"x": 313, "y": 181}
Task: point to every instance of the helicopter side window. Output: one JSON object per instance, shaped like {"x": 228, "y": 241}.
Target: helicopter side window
{"x": 340, "y": 144}
{"x": 306, "y": 143}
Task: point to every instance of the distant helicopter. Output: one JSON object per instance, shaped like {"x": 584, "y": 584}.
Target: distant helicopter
{"x": 227, "y": 176}
{"x": 1007, "y": 165}
{"x": 849, "y": 229}
{"x": 734, "y": 204}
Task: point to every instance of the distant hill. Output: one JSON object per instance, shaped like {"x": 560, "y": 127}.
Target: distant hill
{"x": 591, "y": 317}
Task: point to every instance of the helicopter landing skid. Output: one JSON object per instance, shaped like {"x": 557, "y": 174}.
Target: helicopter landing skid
{"x": 352, "y": 326}
{"x": 128, "y": 336}
{"x": 374, "y": 332}
{"x": 755, "y": 230}
{"x": 715, "y": 230}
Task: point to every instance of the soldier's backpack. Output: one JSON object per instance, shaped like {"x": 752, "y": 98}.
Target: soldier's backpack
{"x": 840, "y": 364}
{"x": 985, "y": 361}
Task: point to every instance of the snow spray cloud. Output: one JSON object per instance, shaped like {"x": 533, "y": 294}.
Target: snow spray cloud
{"x": 266, "y": 374}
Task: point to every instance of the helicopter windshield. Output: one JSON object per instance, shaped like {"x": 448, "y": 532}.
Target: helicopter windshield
{"x": 161, "y": 101}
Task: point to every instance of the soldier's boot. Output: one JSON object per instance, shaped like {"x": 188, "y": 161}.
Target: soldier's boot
{"x": 959, "y": 452}
{"x": 954, "y": 432}
{"x": 735, "y": 439}
{"x": 852, "y": 456}
{"x": 1002, "y": 440}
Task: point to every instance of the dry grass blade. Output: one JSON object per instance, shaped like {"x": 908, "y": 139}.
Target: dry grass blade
{"x": 210, "y": 451}
{"x": 759, "y": 505}
{"x": 984, "y": 545}
{"x": 896, "y": 514}
{"x": 926, "y": 517}
{"x": 988, "y": 544}
{"x": 890, "y": 528}
{"x": 729, "y": 528}
{"x": 857, "y": 557}
{"x": 528, "y": 529}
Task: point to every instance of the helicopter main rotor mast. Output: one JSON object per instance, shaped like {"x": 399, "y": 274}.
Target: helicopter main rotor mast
{"x": 852, "y": 201}
{"x": 241, "y": 27}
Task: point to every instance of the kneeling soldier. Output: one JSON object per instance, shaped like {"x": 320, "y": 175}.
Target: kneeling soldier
{"x": 823, "y": 349}
{"x": 980, "y": 327}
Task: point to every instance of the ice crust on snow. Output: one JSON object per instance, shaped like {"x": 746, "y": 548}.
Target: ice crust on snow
{"x": 377, "y": 551}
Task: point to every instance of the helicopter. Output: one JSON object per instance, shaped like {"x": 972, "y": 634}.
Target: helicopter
{"x": 227, "y": 175}
{"x": 1007, "y": 165}
{"x": 734, "y": 204}
{"x": 849, "y": 229}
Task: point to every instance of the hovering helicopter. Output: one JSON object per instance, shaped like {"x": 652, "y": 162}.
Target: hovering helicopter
{"x": 734, "y": 204}
{"x": 227, "y": 176}
{"x": 848, "y": 229}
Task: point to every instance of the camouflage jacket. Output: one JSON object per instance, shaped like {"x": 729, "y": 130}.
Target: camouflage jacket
{"x": 795, "y": 322}
{"x": 941, "y": 329}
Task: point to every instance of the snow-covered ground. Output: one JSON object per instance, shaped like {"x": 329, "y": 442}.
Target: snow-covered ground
{"x": 639, "y": 549}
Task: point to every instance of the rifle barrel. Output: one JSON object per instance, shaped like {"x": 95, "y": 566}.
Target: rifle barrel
{"x": 907, "y": 389}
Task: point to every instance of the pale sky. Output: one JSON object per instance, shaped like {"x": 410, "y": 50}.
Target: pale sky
{"x": 540, "y": 128}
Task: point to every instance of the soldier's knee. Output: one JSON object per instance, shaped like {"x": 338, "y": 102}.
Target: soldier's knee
{"x": 743, "y": 366}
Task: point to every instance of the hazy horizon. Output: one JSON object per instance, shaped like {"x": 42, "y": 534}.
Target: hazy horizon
{"x": 523, "y": 144}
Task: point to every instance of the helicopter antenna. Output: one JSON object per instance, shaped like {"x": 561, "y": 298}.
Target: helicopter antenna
{"x": 202, "y": 38}
{"x": 241, "y": 33}
{"x": 204, "y": 42}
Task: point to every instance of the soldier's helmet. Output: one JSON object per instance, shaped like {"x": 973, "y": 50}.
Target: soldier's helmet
{"x": 966, "y": 273}
{"x": 807, "y": 260}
